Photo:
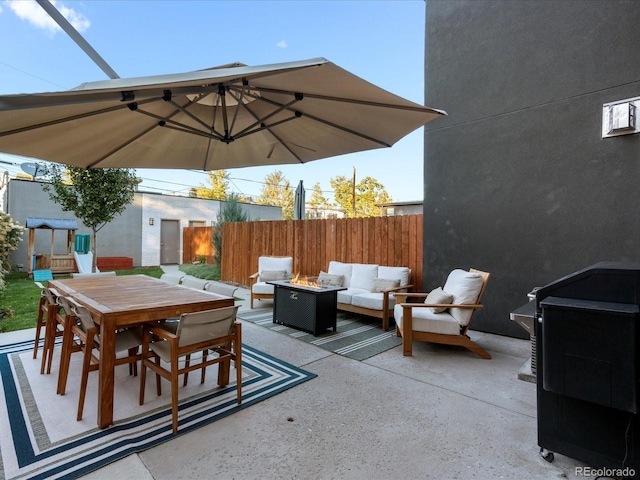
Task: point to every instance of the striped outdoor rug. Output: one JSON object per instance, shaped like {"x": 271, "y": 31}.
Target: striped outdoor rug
{"x": 358, "y": 336}
{"x": 41, "y": 439}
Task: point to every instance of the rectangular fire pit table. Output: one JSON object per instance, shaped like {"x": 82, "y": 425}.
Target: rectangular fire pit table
{"x": 306, "y": 308}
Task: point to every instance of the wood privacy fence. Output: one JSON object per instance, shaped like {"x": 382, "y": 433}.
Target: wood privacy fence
{"x": 394, "y": 241}
{"x": 196, "y": 244}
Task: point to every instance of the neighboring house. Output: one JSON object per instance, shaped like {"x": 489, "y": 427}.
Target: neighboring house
{"x": 518, "y": 178}
{"x": 401, "y": 208}
{"x": 149, "y": 230}
{"x": 313, "y": 212}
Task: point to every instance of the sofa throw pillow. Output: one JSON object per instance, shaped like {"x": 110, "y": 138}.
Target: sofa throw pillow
{"x": 438, "y": 296}
{"x": 330, "y": 280}
{"x": 380, "y": 284}
{"x": 272, "y": 275}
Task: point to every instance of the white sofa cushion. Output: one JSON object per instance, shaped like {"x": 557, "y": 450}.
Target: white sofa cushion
{"x": 424, "y": 320}
{"x": 363, "y": 276}
{"x": 399, "y": 273}
{"x": 371, "y": 300}
{"x": 465, "y": 288}
{"x": 262, "y": 288}
{"x": 275, "y": 264}
{"x": 346, "y": 296}
{"x": 438, "y": 296}
{"x": 339, "y": 268}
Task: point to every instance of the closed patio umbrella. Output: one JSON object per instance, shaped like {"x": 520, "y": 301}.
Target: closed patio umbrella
{"x": 298, "y": 204}
{"x": 224, "y": 117}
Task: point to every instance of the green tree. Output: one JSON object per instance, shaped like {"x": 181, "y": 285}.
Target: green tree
{"x": 277, "y": 191}
{"x": 219, "y": 184}
{"x": 95, "y": 196}
{"x": 317, "y": 202}
{"x": 231, "y": 212}
{"x": 367, "y": 194}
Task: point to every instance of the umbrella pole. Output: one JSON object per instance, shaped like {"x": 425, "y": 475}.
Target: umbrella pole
{"x": 76, "y": 37}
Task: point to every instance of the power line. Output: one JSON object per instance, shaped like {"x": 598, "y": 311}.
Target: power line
{"x": 32, "y": 75}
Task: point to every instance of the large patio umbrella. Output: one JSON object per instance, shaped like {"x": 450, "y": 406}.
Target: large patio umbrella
{"x": 224, "y": 117}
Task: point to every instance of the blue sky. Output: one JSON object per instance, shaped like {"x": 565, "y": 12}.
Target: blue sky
{"x": 380, "y": 41}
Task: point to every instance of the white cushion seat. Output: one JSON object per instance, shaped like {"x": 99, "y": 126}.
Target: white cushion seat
{"x": 424, "y": 320}
{"x": 347, "y": 296}
{"x": 372, "y": 300}
{"x": 262, "y": 288}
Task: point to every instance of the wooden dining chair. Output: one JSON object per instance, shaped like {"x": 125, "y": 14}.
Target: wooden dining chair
{"x": 41, "y": 318}
{"x": 88, "y": 333}
{"x": 52, "y": 329}
{"x": 212, "y": 330}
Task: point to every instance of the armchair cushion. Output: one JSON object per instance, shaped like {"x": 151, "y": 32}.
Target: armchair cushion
{"x": 330, "y": 279}
{"x": 399, "y": 273}
{"x": 262, "y": 288}
{"x": 438, "y": 296}
{"x": 380, "y": 284}
{"x": 424, "y": 320}
{"x": 465, "y": 288}
{"x": 275, "y": 264}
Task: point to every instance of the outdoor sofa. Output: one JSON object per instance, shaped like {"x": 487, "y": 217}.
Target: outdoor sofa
{"x": 369, "y": 287}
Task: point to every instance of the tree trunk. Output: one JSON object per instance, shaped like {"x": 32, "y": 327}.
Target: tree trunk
{"x": 94, "y": 251}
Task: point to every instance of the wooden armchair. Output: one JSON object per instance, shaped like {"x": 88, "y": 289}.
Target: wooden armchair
{"x": 445, "y": 314}
{"x": 269, "y": 269}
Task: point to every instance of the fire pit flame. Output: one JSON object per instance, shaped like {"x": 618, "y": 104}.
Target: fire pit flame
{"x": 304, "y": 281}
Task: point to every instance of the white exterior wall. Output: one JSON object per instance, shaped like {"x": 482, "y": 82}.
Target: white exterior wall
{"x": 182, "y": 209}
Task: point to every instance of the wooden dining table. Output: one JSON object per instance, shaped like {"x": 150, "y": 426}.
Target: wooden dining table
{"x": 130, "y": 300}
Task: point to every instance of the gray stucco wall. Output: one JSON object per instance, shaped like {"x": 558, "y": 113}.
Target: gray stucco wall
{"x": 518, "y": 179}
{"x": 121, "y": 237}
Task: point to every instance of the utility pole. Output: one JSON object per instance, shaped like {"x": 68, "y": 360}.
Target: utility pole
{"x": 353, "y": 195}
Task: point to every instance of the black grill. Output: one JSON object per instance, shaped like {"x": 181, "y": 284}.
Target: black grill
{"x": 588, "y": 374}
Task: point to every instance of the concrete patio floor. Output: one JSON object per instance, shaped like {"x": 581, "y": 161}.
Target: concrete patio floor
{"x": 443, "y": 413}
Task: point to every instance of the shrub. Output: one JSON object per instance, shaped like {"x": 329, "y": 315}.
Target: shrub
{"x": 10, "y": 236}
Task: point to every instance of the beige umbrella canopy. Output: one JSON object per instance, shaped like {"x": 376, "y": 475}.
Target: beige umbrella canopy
{"x": 225, "y": 117}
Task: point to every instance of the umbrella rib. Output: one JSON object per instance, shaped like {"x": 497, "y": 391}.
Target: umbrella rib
{"x": 417, "y": 108}
{"x": 348, "y": 130}
{"x": 182, "y": 127}
{"x": 320, "y": 120}
{"x": 239, "y": 100}
{"x": 261, "y": 121}
{"x": 286, "y": 147}
{"x": 64, "y": 120}
{"x": 121, "y": 146}
{"x": 244, "y": 133}
{"x": 188, "y": 113}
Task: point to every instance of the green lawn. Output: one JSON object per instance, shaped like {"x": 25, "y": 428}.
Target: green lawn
{"x": 22, "y": 296}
